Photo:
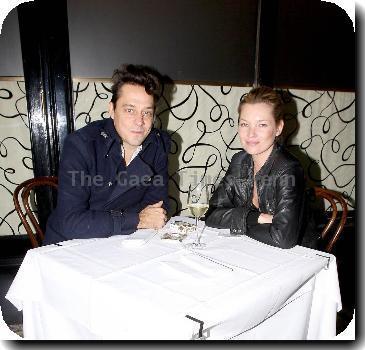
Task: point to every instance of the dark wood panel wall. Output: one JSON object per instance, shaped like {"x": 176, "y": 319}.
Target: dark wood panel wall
{"x": 46, "y": 63}
{"x": 307, "y": 44}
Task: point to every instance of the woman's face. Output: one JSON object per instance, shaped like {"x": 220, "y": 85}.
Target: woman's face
{"x": 257, "y": 128}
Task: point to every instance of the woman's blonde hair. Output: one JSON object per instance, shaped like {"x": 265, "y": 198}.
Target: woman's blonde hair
{"x": 268, "y": 95}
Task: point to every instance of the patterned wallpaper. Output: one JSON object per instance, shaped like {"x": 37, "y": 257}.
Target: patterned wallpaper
{"x": 15, "y": 153}
{"x": 202, "y": 121}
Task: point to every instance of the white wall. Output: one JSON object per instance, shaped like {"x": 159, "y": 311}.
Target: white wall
{"x": 10, "y": 51}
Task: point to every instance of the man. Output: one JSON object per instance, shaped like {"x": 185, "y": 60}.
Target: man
{"x": 113, "y": 173}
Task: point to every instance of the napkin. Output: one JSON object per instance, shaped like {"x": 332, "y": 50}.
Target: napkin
{"x": 133, "y": 243}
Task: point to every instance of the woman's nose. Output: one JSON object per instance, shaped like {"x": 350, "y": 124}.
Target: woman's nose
{"x": 251, "y": 131}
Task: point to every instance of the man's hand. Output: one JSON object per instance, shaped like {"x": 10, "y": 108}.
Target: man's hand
{"x": 153, "y": 216}
{"x": 265, "y": 219}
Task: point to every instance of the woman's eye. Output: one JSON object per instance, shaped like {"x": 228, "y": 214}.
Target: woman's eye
{"x": 244, "y": 125}
{"x": 262, "y": 125}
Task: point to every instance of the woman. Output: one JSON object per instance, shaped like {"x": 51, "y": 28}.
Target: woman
{"x": 262, "y": 194}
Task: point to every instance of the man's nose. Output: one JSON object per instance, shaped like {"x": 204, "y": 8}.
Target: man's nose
{"x": 139, "y": 119}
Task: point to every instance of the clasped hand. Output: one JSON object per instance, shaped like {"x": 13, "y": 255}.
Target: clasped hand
{"x": 153, "y": 216}
{"x": 265, "y": 218}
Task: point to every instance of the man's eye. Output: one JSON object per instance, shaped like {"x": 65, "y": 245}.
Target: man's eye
{"x": 129, "y": 110}
{"x": 147, "y": 114}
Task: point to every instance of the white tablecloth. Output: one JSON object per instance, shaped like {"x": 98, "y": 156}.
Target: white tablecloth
{"x": 133, "y": 287}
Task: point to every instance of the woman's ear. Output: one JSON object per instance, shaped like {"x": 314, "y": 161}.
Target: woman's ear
{"x": 279, "y": 127}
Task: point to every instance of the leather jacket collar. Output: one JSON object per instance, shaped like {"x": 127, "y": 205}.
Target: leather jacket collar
{"x": 266, "y": 168}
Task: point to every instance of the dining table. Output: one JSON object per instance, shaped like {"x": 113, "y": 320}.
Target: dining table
{"x": 145, "y": 286}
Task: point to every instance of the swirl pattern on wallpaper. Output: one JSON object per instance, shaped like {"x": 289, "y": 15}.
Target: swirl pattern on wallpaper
{"x": 15, "y": 153}
{"x": 202, "y": 122}
{"x": 326, "y": 142}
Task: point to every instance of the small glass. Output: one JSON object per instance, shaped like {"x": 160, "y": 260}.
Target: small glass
{"x": 198, "y": 204}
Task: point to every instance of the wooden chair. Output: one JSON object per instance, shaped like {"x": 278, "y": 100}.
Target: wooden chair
{"x": 26, "y": 215}
{"x": 333, "y": 198}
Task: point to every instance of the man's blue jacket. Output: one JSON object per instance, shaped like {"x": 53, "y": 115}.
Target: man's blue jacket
{"x": 98, "y": 196}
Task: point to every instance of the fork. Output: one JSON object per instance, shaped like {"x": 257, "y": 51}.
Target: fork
{"x": 212, "y": 260}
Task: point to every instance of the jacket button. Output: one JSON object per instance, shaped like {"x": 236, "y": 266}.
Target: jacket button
{"x": 110, "y": 183}
{"x": 107, "y": 156}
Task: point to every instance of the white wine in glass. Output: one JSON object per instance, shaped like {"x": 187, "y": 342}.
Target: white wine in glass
{"x": 198, "y": 203}
{"x": 198, "y": 209}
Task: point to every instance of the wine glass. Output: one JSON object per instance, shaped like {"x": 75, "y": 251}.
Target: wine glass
{"x": 198, "y": 203}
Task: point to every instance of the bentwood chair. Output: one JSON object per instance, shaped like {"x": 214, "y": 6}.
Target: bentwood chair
{"x": 334, "y": 227}
{"x": 25, "y": 212}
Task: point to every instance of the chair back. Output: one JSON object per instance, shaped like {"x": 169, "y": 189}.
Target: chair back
{"x": 333, "y": 198}
{"x": 26, "y": 215}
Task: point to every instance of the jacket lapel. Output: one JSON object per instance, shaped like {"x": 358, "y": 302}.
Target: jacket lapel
{"x": 138, "y": 172}
{"x": 266, "y": 168}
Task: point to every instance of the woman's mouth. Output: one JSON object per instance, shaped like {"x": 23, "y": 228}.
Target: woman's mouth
{"x": 252, "y": 143}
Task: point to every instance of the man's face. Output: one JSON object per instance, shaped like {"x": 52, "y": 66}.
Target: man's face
{"x": 132, "y": 115}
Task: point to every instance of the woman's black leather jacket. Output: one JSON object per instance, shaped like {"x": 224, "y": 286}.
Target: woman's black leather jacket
{"x": 281, "y": 192}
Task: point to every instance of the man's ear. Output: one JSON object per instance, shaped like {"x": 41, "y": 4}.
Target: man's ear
{"x": 111, "y": 109}
{"x": 279, "y": 127}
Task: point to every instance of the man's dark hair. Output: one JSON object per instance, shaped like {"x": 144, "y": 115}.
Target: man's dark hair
{"x": 136, "y": 75}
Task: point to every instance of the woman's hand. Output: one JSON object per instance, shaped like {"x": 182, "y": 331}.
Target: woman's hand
{"x": 265, "y": 218}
